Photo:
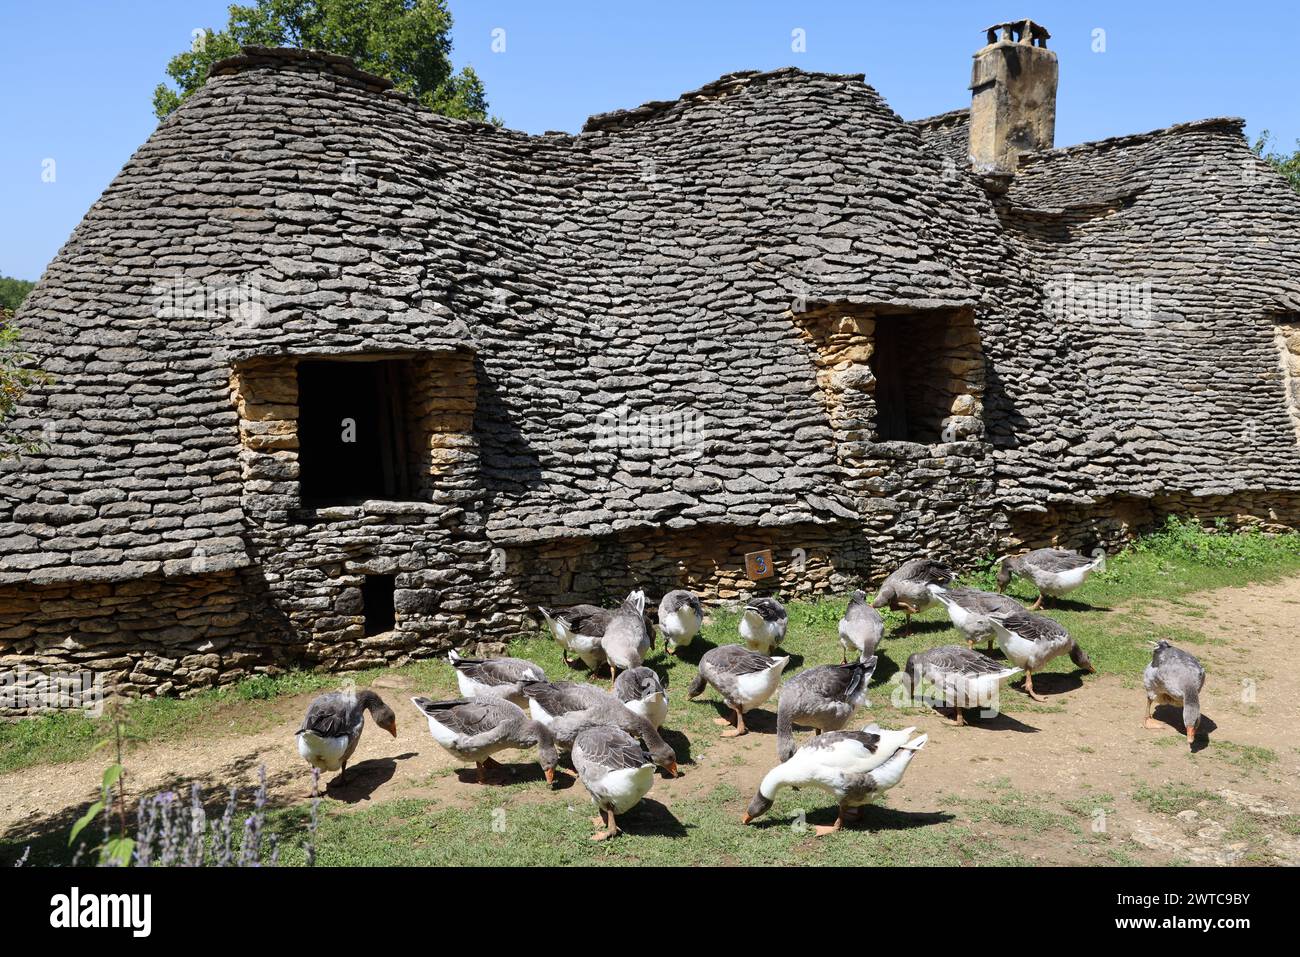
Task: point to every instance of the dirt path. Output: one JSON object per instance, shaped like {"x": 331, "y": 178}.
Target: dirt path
{"x": 1230, "y": 802}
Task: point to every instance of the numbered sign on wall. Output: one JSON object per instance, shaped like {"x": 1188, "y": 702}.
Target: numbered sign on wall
{"x": 758, "y": 565}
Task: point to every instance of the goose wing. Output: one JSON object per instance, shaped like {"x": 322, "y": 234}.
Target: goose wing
{"x": 676, "y": 600}
{"x": 957, "y": 660}
{"x": 589, "y": 620}
{"x": 473, "y": 717}
{"x": 498, "y": 671}
{"x": 637, "y": 683}
{"x": 982, "y": 602}
{"x": 331, "y": 715}
{"x": 1056, "y": 560}
{"x": 562, "y": 697}
{"x": 602, "y": 749}
{"x": 769, "y": 609}
{"x": 736, "y": 660}
{"x": 1030, "y": 627}
{"x": 834, "y": 682}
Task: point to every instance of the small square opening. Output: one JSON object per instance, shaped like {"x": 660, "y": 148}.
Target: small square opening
{"x": 913, "y": 391}
{"x": 377, "y": 603}
{"x": 353, "y": 432}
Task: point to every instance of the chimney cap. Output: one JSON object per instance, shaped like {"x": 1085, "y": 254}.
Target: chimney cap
{"x": 1019, "y": 31}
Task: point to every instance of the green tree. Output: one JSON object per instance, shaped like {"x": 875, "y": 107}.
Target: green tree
{"x": 13, "y": 292}
{"x": 1287, "y": 165}
{"x": 407, "y": 41}
{"x": 17, "y": 376}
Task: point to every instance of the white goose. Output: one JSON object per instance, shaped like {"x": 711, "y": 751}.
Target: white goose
{"x": 763, "y": 625}
{"x": 680, "y": 618}
{"x": 1030, "y": 641}
{"x": 744, "y": 678}
{"x": 1053, "y": 571}
{"x": 616, "y": 771}
{"x": 855, "y": 766}
{"x": 333, "y": 724}
{"x": 642, "y": 691}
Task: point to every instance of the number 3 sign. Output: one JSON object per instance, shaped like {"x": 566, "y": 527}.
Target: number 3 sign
{"x": 759, "y": 564}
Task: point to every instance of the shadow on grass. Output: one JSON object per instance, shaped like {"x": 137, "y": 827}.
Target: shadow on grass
{"x": 364, "y": 779}
{"x": 759, "y": 720}
{"x": 868, "y": 818}
{"x": 1053, "y": 682}
{"x": 650, "y": 817}
{"x": 680, "y": 744}
{"x": 1172, "y": 715}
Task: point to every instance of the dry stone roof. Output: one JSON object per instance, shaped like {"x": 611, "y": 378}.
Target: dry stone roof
{"x": 643, "y": 270}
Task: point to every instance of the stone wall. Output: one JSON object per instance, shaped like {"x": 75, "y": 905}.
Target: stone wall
{"x": 146, "y": 636}
{"x": 1288, "y": 343}
{"x": 1114, "y": 522}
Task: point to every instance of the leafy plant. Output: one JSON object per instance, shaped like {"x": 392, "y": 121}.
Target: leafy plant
{"x": 1287, "y": 165}
{"x": 407, "y": 41}
{"x": 17, "y": 376}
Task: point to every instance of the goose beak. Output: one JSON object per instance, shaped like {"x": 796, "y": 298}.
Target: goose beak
{"x": 745, "y": 818}
{"x": 550, "y": 775}
{"x": 392, "y": 729}
{"x": 672, "y": 769}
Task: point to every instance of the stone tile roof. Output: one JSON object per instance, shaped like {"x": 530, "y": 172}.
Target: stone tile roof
{"x": 644, "y": 270}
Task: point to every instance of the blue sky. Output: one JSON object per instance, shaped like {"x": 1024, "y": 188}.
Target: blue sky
{"x": 77, "y": 76}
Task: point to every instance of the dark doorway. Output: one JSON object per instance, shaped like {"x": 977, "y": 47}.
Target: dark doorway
{"x": 913, "y": 388}
{"x": 377, "y": 593}
{"x": 352, "y": 432}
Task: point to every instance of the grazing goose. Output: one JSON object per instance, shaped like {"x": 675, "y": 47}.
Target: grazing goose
{"x": 475, "y": 730}
{"x": 641, "y": 690}
{"x": 500, "y": 677}
{"x": 680, "y": 618}
{"x": 332, "y": 727}
{"x": 969, "y": 608}
{"x": 763, "y": 625}
{"x": 616, "y": 771}
{"x": 627, "y": 639}
{"x": 861, "y": 628}
{"x": 855, "y": 766}
{"x": 569, "y": 708}
{"x": 744, "y": 678}
{"x": 548, "y": 700}
{"x": 823, "y": 698}
{"x": 1029, "y": 641}
{"x": 579, "y": 630}
{"x": 1053, "y": 571}
{"x": 963, "y": 678}
{"x": 908, "y": 588}
{"x": 1174, "y": 677}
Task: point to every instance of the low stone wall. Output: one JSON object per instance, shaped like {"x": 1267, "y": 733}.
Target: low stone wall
{"x": 1113, "y": 523}
{"x": 146, "y": 636}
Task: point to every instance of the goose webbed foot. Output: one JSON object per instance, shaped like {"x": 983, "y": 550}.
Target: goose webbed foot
{"x": 1029, "y": 688}
{"x": 822, "y": 830}
{"x": 1153, "y": 724}
{"x": 739, "y": 729}
{"x": 610, "y": 827}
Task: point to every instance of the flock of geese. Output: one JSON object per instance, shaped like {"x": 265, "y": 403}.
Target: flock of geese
{"x": 613, "y": 736}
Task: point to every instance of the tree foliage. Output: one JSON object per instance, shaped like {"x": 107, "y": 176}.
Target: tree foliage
{"x": 1287, "y": 165}
{"x": 17, "y": 376}
{"x": 407, "y": 41}
{"x": 13, "y": 292}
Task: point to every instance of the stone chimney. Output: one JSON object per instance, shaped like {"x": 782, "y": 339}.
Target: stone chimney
{"x": 1013, "y": 96}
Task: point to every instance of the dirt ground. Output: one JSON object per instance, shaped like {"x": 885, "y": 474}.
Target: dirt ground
{"x": 1087, "y": 749}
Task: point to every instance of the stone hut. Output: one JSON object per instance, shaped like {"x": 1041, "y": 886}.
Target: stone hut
{"x": 339, "y": 382}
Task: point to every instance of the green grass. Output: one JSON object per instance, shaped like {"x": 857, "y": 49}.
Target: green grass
{"x": 502, "y": 832}
{"x": 1162, "y": 568}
